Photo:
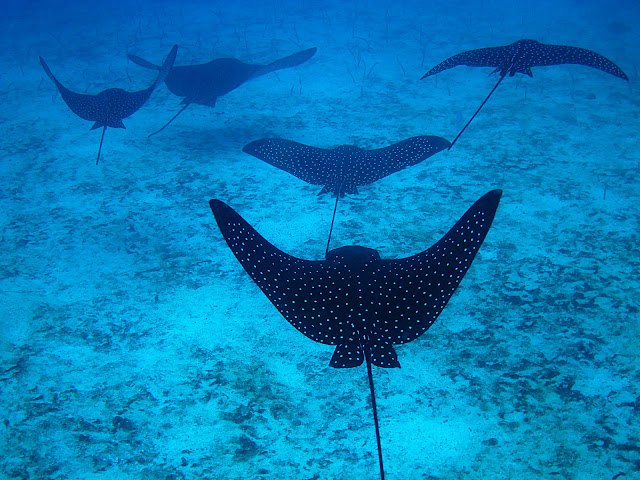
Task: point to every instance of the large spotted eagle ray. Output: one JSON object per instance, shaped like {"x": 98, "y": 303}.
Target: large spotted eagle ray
{"x": 109, "y": 107}
{"x": 354, "y": 299}
{"x": 341, "y": 170}
{"x": 204, "y": 83}
{"x": 519, "y": 57}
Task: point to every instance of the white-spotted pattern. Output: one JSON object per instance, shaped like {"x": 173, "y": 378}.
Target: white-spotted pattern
{"x": 342, "y": 169}
{"x": 520, "y": 56}
{"x": 353, "y": 298}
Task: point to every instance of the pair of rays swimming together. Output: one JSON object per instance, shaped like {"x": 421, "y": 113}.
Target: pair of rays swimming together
{"x": 353, "y": 299}
{"x": 201, "y": 84}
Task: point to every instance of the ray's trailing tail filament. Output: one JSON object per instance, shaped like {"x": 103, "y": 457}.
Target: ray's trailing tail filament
{"x": 367, "y": 356}
{"x": 104, "y": 129}
{"x": 167, "y": 124}
{"x": 477, "y": 111}
{"x": 333, "y": 219}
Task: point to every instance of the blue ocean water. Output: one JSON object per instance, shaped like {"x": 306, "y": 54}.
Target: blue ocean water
{"x": 133, "y": 345}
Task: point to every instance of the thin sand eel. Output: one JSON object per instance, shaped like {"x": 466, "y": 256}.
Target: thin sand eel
{"x": 519, "y": 57}
{"x": 204, "y": 83}
{"x": 109, "y": 107}
{"x": 354, "y": 299}
{"x": 342, "y": 169}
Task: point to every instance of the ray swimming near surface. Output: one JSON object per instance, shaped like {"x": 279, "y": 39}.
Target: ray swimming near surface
{"x": 204, "y": 83}
{"x": 354, "y": 299}
{"x": 109, "y": 107}
{"x": 520, "y": 57}
{"x": 341, "y": 170}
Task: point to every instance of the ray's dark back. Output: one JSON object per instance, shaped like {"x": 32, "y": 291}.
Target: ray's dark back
{"x": 217, "y": 77}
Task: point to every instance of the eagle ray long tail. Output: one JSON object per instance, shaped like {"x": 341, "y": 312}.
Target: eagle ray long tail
{"x": 172, "y": 119}
{"x": 477, "y": 111}
{"x": 104, "y": 129}
{"x": 335, "y": 208}
{"x": 367, "y": 356}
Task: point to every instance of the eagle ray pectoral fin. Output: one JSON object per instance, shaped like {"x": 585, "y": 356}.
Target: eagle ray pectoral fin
{"x": 347, "y": 355}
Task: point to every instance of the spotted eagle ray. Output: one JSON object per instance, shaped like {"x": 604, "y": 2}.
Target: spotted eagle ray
{"x": 342, "y": 169}
{"x": 354, "y": 299}
{"x": 109, "y": 107}
{"x": 204, "y": 83}
{"x": 519, "y": 57}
